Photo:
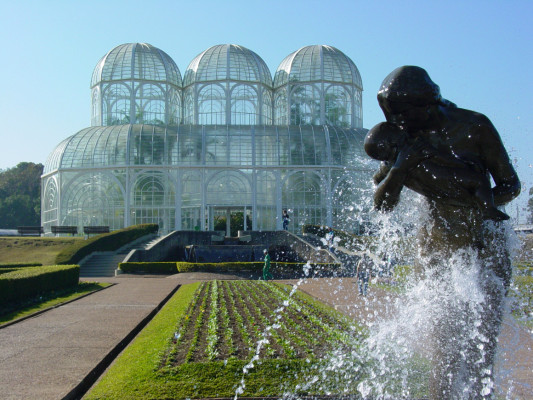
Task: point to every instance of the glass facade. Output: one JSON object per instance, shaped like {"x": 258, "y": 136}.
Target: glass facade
{"x": 227, "y": 84}
{"x": 318, "y": 85}
{"x": 137, "y": 163}
{"x": 136, "y": 83}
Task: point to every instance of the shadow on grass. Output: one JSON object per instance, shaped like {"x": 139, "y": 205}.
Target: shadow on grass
{"x": 15, "y": 312}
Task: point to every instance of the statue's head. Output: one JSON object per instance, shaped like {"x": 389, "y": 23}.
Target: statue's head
{"x": 406, "y": 96}
{"x": 384, "y": 141}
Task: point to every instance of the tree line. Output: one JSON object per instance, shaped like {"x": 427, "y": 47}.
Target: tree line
{"x": 20, "y": 195}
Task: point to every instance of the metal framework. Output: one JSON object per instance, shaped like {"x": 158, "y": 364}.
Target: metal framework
{"x": 138, "y": 164}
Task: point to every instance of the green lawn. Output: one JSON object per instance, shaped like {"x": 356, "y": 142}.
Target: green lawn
{"x": 32, "y": 249}
{"x": 17, "y": 311}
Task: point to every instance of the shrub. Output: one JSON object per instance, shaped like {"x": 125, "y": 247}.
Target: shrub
{"x": 28, "y": 282}
{"x": 219, "y": 267}
{"x": 11, "y": 266}
{"x": 149, "y": 267}
{"x": 105, "y": 242}
{"x": 280, "y": 268}
{"x": 524, "y": 268}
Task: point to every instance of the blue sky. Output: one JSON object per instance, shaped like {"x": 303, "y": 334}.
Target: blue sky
{"x": 480, "y": 52}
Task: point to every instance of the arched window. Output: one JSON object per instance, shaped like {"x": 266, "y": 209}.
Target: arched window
{"x": 116, "y": 104}
{"x": 303, "y": 197}
{"x": 244, "y": 105}
{"x": 94, "y": 199}
{"x": 212, "y": 105}
{"x": 305, "y": 105}
{"x": 50, "y": 204}
{"x": 338, "y": 106}
{"x": 188, "y": 100}
{"x": 229, "y": 188}
{"x": 280, "y": 107}
{"x": 150, "y": 104}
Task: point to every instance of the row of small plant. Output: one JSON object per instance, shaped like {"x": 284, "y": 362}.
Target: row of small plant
{"x": 226, "y": 320}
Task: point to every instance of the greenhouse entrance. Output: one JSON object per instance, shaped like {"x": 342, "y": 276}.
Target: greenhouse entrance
{"x": 231, "y": 220}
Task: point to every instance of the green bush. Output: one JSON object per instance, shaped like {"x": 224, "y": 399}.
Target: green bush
{"x": 149, "y": 267}
{"x": 11, "y": 266}
{"x": 524, "y": 268}
{"x": 220, "y": 267}
{"x": 25, "y": 283}
{"x": 403, "y": 272}
{"x": 257, "y": 266}
{"x": 105, "y": 242}
{"x": 522, "y": 289}
{"x": 280, "y": 268}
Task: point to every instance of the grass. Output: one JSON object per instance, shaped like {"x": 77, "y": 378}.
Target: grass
{"x": 17, "y": 311}
{"x": 33, "y": 249}
{"x": 142, "y": 371}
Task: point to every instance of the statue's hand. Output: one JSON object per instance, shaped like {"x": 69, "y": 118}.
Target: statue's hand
{"x": 413, "y": 154}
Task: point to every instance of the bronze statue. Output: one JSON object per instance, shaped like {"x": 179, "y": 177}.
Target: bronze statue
{"x": 448, "y": 155}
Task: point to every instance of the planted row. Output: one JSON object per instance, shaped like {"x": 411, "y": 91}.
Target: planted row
{"x": 227, "y": 319}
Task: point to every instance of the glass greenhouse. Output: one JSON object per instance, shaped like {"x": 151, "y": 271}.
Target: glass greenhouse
{"x": 225, "y": 142}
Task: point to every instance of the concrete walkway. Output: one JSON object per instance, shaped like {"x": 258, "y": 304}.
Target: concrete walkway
{"x": 53, "y": 355}
{"x": 58, "y": 354}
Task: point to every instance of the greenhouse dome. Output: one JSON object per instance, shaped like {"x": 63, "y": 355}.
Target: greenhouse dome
{"x": 318, "y": 85}
{"x": 227, "y": 84}
{"x": 136, "y": 83}
{"x": 227, "y": 159}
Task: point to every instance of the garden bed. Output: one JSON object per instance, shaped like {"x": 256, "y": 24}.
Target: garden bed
{"x": 201, "y": 341}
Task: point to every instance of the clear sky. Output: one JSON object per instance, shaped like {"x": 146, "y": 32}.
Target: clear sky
{"x": 480, "y": 53}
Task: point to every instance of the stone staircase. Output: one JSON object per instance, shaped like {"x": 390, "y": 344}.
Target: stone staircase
{"x": 100, "y": 264}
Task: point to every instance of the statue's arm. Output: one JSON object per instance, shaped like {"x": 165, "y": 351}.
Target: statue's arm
{"x": 383, "y": 170}
{"x": 388, "y": 191}
{"x": 507, "y": 185}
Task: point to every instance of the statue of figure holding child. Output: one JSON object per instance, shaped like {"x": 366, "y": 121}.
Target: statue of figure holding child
{"x": 449, "y": 155}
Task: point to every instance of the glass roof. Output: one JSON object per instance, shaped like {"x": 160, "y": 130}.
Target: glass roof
{"x": 140, "y": 61}
{"x": 318, "y": 63}
{"x": 227, "y": 62}
{"x": 195, "y": 145}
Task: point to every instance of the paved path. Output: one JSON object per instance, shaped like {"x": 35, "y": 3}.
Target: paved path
{"x": 53, "y": 354}
{"x": 48, "y": 356}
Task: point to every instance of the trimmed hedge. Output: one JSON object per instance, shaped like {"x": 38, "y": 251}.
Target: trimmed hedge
{"x": 221, "y": 267}
{"x": 175, "y": 267}
{"x": 28, "y": 282}
{"x": 149, "y": 267}
{"x": 20, "y": 265}
{"x": 105, "y": 242}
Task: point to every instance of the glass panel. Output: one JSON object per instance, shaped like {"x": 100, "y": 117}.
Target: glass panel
{"x": 244, "y": 105}
{"x": 338, "y": 106}
{"x": 150, "y": 104}
{"x": 305, "y": 105}
{"x": 212, "y": 105}
{"x": 266, "y": 146}
{"x": 230, "y": 188}
{"x": 93, "y": 199}
{"x": 116, "y": 99}
{"x": 302, "y": 197}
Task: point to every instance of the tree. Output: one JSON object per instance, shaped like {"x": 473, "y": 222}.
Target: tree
{"x": 20, "y": 195}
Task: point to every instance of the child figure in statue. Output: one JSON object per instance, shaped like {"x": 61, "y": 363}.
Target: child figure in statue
{"x": 436, "y": 175}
